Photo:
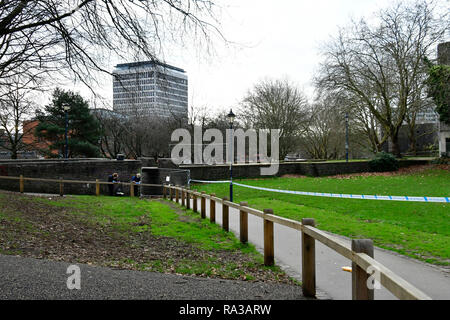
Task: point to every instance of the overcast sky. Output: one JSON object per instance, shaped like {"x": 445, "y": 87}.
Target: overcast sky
{"x": 274, "y": 39}
{"x": 280, "y": 39}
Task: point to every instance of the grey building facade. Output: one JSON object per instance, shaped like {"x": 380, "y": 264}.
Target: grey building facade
{"x": 150, "y": 88}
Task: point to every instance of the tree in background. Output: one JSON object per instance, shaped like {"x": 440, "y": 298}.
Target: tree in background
{"x": 198, "y": 116}
{"x": 112, "y": 128}
{"x": 276, "y": 104}
{"x": 83, "y": 129}
{"x": 380, "y": 65}
{"x": 439, "y": 89}
{"x": 324, "y": 136}
{"x": 16, "y": 105}
{"x": 134, "y": 136}
{"x": 419, "y": 103}
{"x": 73, "y": 38}
{"x": 148, "y": 136}
{"x": 364, "y": 125}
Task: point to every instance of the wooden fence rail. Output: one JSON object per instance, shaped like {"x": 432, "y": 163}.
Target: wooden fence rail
{"x": 360, "y": 252}
{"x": 61, "y": 183}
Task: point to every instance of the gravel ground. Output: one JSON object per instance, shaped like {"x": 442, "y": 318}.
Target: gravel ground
{"x": 28, "y": 279}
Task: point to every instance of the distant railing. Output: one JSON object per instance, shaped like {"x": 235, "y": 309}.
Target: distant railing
{"x": 360, "y": 252}
{"x": 61, "y": 182}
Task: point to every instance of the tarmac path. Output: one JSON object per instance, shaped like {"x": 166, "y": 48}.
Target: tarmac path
{"x": 331, "y": 281}
{"x": 38, "y": 279}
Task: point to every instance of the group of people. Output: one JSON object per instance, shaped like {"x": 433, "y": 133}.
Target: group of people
{"x": 115, "y": 189}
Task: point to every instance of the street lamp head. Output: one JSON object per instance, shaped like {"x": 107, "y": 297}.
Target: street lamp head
{"x": 231, "y": 116}
{"x": 66, "y": 106}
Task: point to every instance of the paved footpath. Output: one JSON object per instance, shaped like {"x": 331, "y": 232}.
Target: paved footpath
{"x": 331, "y": 281}
{"x": 29, "y": 279}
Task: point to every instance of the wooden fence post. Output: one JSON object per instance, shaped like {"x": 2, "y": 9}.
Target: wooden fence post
{"x": 212, "y": 209}
{"x": 61, "y": 187}
{"x": 171, "y": 193}
{"x": 243, "y": 223}
{"x": 268, "y": 240}
{"x": 21, "y": 184}
{"x": 203, "y": 205}
{"x": 164, "y": 191}
{"x": 360, "y": 289}
{"x": 308, "y": 261}
{"x": 225, "y": 215}
{"x": 132, "y": 189}
{"x": 97, "y": 188}
{"x": 194, "y": 200}
{"x": 183, "y": 199}
{"x": 188, "y": 199}
{"x": 177, "y": 194}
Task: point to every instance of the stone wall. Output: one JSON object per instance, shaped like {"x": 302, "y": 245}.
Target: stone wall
{"x": 86, "y": 169}
{"x": 312, "y": 169}
{"x": 92, "y": 169}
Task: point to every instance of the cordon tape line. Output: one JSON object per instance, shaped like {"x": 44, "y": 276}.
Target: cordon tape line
{"x": 204, "y": 181}
{"x": 341, "y": 195}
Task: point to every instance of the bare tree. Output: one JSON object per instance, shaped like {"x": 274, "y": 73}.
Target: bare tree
{"x": 16, "y": 105}
{"x": 198, "y": 116}
{"x": 365, "y": 128}
{"x": 276, "y": 104}
{"x": 324, "y": 135}
{"x": 368, "y": 126}
{"x": 419, "y": 103}
{"x": 73, "y": 37}
{"x": 380, "y": 65}
{"x": 134, "y": 136}
{"x": 112, "y": 126}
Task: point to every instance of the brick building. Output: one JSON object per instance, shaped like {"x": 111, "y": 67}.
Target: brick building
{"x": 34, "y": 143}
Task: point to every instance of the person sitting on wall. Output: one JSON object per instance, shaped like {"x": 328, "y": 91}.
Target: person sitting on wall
{"x": 137, "y": 180}
{"x": 113, "y": 189}
{"x": 118, "y": 191}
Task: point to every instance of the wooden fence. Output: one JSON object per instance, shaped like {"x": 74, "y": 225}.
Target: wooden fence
{"x": 360, "y": 252}
{"x": 61, "y": 183}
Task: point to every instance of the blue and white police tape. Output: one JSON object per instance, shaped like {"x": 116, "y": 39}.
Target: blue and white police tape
{"x": 341, "y": 195}
{"x": 204, "y": 181}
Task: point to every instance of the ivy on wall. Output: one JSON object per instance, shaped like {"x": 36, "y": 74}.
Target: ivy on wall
{"x": 439, "y": 89}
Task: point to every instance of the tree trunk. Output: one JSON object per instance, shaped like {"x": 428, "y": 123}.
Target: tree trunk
{"x": 395, "y": 146}
{"x": 412, "y": 145}
{"x": 412, "y": 139}
{"x": 14, "y": 153}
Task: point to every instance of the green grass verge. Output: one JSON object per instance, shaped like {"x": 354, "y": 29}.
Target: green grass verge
{"x": 418, "y": 230}
{"x": 124, "y": 214}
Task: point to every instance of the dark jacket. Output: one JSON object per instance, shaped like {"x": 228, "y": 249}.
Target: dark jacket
{"x": 112, "y": 179}
{"x": 136, "y": 179}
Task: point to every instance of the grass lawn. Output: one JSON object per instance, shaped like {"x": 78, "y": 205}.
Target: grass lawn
{"x": 126, "y": 233}
{"x": 418, "y": 230}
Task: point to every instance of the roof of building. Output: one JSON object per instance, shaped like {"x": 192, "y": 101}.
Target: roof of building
{"x": 148, "y": 63}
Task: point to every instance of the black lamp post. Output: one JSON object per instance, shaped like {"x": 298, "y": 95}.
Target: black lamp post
{"x": 231, "y": 117}
{"x": 66, "y": 108}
